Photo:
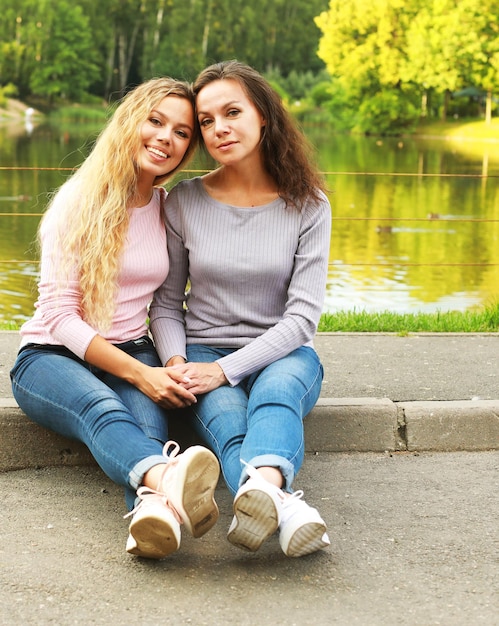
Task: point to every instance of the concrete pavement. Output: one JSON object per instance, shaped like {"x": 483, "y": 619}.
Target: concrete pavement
{"x": 414, "y": 535}
{"x": 381, "y": 392}
{"x": 414, "y": 542}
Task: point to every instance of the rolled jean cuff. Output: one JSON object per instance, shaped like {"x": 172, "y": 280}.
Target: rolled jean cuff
{"x": 273, "y": 460}
{"x": 136, "y": 476}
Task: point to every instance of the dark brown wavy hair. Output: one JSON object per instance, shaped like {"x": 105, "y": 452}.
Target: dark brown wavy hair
{"x": 287, "y": 154}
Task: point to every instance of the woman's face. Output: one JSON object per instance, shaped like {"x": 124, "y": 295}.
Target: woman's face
{"x": 230, "y": 123}
{"x": 165, "y": 137}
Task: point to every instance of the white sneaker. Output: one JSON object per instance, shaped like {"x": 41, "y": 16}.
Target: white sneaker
{"x": 155, "y": 529}
{"x": 189, "y": 483}
{"x": 301, "y": 529}
{"x": 256, "y": 512}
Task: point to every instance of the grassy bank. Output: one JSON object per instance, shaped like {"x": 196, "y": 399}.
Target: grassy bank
{"x": 485, "y": 320}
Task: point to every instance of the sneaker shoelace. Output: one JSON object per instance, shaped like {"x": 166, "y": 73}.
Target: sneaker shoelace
{"x": 290, "y": 504}
{"x": 148, "y": 495}
{"x": 254, "y": 473}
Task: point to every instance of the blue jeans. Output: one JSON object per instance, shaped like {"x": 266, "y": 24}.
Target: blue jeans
{"x": 123, "y": 428}
{"x": 260, "y": 420}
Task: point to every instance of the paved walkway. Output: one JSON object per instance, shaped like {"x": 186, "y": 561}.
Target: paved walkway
{"x": 380, "y": 392}
{"x": 414, "y": 530}
{"x": 414, "y": 542}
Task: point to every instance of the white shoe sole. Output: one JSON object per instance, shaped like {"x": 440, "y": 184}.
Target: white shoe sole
{"x": 256, "y": 519}
{"x": 154, "y": 533}
{"x": 306, "y": 539}
{"x": 197, "y": 476}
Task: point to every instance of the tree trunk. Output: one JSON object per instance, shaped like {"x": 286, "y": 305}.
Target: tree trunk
{"x": 122, "y": 71}
{"x": 488, "y": 107}
{"x": 424, "y": 104}
{"x": 206, "y": 30}
{"x": 108, "y": 84}
{"x": 445, "y": 105}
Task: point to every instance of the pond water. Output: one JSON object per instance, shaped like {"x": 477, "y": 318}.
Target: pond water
{"x": 415, "y": 221}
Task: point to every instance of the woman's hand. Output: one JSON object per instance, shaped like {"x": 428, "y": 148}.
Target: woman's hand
{"x": 200, "y": 377}
{"x": 166, "y": 386}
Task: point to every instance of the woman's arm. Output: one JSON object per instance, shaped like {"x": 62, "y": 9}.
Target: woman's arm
{"x": 305, "y": 298}
{"x": 162, "y": 385}
{"x": 59, "y": 307}
{"x": 166, "y": 313}
{"x": 298, "y": 324}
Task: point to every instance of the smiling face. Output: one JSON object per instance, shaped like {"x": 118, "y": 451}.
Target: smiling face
{"x": 230, "y": 123}
{"x": 164, "y": 138}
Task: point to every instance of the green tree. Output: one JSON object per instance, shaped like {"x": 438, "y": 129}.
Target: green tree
{"x": 484, "y": 49}
{"x": 432, "y": 52}
{"x": 415, "y": 46}
{"x": 453, "y": 44}
{"x": 65, "y": 63}
{"x": 364, "y": 48}
{"x": 363, "y": 42}
{"x": 20, "y": 35}
{"x": 131, "y": 40}
{"x": 278, "y": 35}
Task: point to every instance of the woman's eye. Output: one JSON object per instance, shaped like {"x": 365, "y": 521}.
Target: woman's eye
{"x": 183, "y": 134}
{"x": 206, "y": 122}
{"x": 155, "y": 121}
{"x": 233, "y": 112}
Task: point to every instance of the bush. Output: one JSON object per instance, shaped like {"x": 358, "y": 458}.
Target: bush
{"x": 387, "y": 113}
{"x": 321, "y": 93}
{"x": 277, "y": 87}
{"x": 7, "y": 91}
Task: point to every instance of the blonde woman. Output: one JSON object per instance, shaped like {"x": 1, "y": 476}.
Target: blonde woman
{"x": 87, "y": 368}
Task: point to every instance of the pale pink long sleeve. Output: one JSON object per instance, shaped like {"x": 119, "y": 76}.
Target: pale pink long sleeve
{"x": 144, "y": 266}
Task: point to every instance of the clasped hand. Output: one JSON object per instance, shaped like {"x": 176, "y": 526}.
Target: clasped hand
{"x": 200, "y": 378}
{"x": 176, "y": 386}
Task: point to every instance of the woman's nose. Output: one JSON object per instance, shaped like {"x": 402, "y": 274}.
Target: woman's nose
{"x": 165, "y": 134}
{"x": 221, "y": 127}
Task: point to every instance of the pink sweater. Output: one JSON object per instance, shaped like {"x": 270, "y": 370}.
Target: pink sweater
{"x": 144, "y": 266}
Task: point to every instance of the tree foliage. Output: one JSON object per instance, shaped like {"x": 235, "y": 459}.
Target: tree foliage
{"x": 65, "y": 51}
{"x": 410, "y": 50}
{"x": 388, "y": 62}
{"x": 63, "y": 48}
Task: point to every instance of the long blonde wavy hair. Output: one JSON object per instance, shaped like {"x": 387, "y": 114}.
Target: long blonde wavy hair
{"x": 92, "y": 227}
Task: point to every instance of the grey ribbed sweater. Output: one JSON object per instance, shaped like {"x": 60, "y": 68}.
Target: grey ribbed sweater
{"x": 256, "y": 278}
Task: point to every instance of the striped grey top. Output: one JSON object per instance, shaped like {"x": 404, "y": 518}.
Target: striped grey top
{"x": 256, "y": 278}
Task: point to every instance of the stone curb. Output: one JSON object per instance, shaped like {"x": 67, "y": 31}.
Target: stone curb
{"x": 334, "y": 425}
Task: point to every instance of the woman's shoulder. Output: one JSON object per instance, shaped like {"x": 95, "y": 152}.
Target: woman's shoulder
{"x": 188, "y": 185}
{"x": 318, "y": 202}
{"x": 186, "y": 192}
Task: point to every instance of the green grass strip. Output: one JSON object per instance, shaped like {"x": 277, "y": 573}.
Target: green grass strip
{"x": 485, "y": 320}
{"x": 474, "y": 321}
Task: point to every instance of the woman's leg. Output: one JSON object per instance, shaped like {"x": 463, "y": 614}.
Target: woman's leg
{"x": 152, "y": 419}
{"x": 280, "y": 396}
{"x": 260, "y": 421}
{"x": 220, "y": 418}
{"x": 125, "y": 431}
{"x": 62, "y": 393}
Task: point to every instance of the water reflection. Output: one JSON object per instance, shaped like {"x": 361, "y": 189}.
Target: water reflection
{"x": 418, "y": 241}
{"x": 351, "y": 290}
{"x": 408, "y": 234}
